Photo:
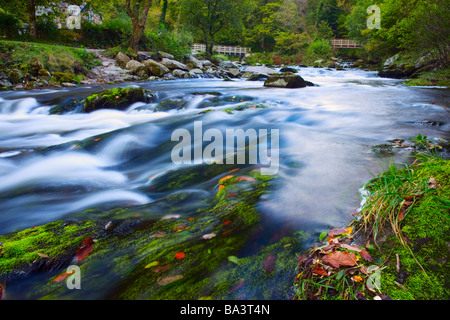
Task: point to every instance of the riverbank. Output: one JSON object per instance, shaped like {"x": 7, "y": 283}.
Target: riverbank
{"x": 397, "y": 246}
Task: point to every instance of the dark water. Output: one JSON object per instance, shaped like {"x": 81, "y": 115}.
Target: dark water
{"x": 325, "y": 137}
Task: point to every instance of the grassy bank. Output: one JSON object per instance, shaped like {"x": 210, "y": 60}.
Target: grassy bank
{"x": 397, "y": 246}
{"x": 22, "y": 62}
{"x": 431, "y": 78}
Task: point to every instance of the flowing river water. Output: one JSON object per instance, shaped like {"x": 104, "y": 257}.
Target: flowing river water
{"x": 325, "y": 156}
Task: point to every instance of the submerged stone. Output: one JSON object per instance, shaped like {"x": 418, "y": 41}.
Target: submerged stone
{"x": 286, "y": 80}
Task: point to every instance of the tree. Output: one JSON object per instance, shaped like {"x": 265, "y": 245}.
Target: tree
{"x": 137, "y": 10}
{"x": 210, "y": 17}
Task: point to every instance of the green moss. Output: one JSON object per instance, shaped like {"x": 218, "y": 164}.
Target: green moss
{"x": 116, "y": 98}
{"x": 424, "y": 267}
{"x": 431, "y": 78}
{"x": 20, "y": 250}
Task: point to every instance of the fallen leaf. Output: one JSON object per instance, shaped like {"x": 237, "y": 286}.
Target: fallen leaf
{"x": 209, "y": 236}
{"x": 226, "y": 223}
{"x": 180, "y": 227}
{"x": 151, "y": 265}
{"x": 339, "y": 258}
{"x": 238, "y": 286}
{"x": 337, "y": 232}
{"x": 2, "y": 291}
{"x": 357, "y": 278}
{"x": 350, "y": 247}
{"x": 164, "y": 281}
{"x": 320, "y": 272}
{"x": 42, "y": 255}
{"x": 161, "y": 268}
{"x": 159, "y": 234}
{"x": 85, "y": 249}
{"x": 225, "y": 178}
{"x": 365, "y": 255}
{"x": 233, "y": 259}
{"x": 180, "y": 256}
{"x": 232, "y": 195}
{"x": 269, "y": 263}
{"x": 432, "y": 184}
{"x": 63, "y": 276}
{"x": 221, "y": 187}
{"x": 234, "y": 170}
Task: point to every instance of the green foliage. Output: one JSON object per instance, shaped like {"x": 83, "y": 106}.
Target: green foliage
{"x": 319, "y": 49}
{"x": 176, "y": 44}
{"x": 9, "y": 25}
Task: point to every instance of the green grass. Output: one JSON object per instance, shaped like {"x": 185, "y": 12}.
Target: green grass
{"x": 25, "y": 55}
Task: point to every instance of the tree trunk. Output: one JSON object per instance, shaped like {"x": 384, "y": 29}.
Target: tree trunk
{"x": 138, "y": 17}
{"x": 32, "y": 18}
{"x": 162, "y": 18}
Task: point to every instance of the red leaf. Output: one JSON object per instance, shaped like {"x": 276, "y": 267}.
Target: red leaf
{"x": 269, "y": 263}
{"x": 232, "y": 195}
{"x": 226, "y": 223}
{"x": 85, "y": 249}
{"x": 238, "y": 286}
{"x": 2, "y": 292}
{"x": 340, "y": 258}
{"x": 180, "y": 255}
{"x": 365, "y": 255}
{"x": 336, "y": 232}
{"x": 161, "y": 268}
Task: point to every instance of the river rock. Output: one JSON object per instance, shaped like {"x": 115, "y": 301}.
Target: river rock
{"x": 196, "y": 71}
{"x": 166, "y": 55}
{"x": 194, "y": 63}
{"x": 393, "y": 73}
{"x": 258, "y": 77}
{"x": 122, "y": 59}
{"x": 233, "y": 72}
{"x": 137, "y": 68}
{"x": 117, "y": 98}
{"x": 261, "y": 70}
{"x": 173, "y": 64}
{"x": 286, "y": 80}
{"x": 156, "y": 68}
{"x": 177, "y": 73}
{"x": 287, "y": 69}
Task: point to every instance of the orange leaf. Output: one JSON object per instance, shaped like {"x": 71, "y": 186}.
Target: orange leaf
{"x": 221, "y": 187}
{"x": 357, "y": 278}
{"x": 226, "y": 178}
{"x": 320, "y": 272}
{"x": 63, "y": 276}
{"x": 180, "y": 255}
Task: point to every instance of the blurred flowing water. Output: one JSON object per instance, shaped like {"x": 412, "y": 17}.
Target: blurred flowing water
{"x": 326, "y": 134}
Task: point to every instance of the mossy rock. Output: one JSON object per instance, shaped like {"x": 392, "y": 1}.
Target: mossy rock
{"x": 171, "y": 104}
{"x": 65, "y": 77}
{"x": 117, "y": 98}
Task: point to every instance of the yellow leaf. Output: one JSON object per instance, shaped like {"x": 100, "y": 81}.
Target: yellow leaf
{"x": 152, "y": 264}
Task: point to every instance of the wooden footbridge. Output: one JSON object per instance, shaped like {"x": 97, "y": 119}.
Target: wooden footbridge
{"x": 242, "y": 51}
{"x": 344, "y": 44}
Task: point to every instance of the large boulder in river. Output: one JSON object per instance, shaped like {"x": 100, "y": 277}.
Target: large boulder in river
{"x": 287, "y": 80}
{"x": 173, "y": 64}
{"x": 117, "y": 98}
{"x": 156, "y": 68}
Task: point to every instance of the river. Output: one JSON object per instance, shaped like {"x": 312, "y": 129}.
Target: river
{"x": 325, "y": 137}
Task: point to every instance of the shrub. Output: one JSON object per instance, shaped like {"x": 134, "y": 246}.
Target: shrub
{"x": 319, "y": 49}
{"x": 9, "y": 25}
